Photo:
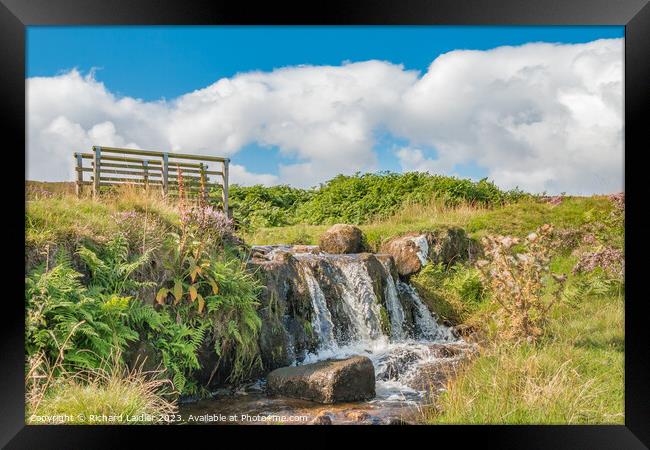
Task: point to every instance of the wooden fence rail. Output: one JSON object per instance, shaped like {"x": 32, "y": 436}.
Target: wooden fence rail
{"x": 110, "y": 166}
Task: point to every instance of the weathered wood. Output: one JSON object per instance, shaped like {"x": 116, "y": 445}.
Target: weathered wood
{"x": 125, "y": 172}
{"x": 139, "y": 161}
{"x": 129, "y": 151}
{"x": 145, "y": 167}
{"x": 116, "y": 183}
{"x": 80, "y": 174}
{"x": 155, "y": 168}
{"x": 165, "y": 173}
{"x": 127, "y": 180}
{"x": 97, "y": 170}
{"x": 224, "y": 191}
{"x": 133, "y": 166}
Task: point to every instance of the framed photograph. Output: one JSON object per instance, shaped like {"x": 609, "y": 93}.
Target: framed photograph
{"x": 386, "y": 217}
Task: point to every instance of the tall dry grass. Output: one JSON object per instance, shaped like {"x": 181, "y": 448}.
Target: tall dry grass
{"x": 57, "y": 395}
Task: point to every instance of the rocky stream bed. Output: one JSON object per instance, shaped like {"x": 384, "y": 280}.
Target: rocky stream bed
{"x": 345, "y": 338}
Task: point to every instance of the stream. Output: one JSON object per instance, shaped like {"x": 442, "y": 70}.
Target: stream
{"x": 350, "y": 296}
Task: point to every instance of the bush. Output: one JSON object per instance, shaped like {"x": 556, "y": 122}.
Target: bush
{"x": 455, "y": 293}
{"x": 518, "y": 281}
{"x": 64, "y": 320}
{"x": 259, "y": 206}
{"x": 357, "y": 199}
{"x": 360, "y": 198}
{"x": 208, "y": 291}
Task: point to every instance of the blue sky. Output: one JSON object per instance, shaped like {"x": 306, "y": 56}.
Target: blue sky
{"x": 154, "y": 63}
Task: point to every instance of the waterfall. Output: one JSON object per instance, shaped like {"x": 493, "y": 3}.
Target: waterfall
{"x": 321, "y": 318}
{"x": 346, "y": 296}
{"x": 394, "y": 306}
{"x": 423, "y": 246}
{"x": 360, "y": 301}
{"x": 426, "y": 325}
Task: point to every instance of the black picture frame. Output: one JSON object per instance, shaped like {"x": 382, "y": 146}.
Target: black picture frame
{"x": 15, "y": 15}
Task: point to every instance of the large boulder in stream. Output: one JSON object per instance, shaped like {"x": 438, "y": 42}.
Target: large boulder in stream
{"x": 342, "y": 238}
{"x": 409, "y": 252}
{"x": 412, "y": 251}
{"x": 329, "y": 381}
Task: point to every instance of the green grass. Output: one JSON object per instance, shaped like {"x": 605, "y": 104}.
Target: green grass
{"x": 517, "y": 219}
{"x": 574, "y": 375}
{"x": 100, "y": 397}
{"x": 65, "y": 218}
{"x": 413, "y": 217}
{"x": 455, "y": 293}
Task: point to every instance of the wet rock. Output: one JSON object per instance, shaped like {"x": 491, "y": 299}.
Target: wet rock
{"x": 342, "y": 238}
{"x": 433, "y": 375}
{"x": 373, "y": 420}
{"x": 329, "y": 381}
{"x": 408, "y": 255}
{"x": 412, "y": 251}
{"x": 396, "y": 421}
{"x": 322, "y": 419}
{"x": 357, "y": 416}
{"x": 397, "y": 364}
{"x": 313, "y": 249}
{"x": 440, "y": 350}
{"x": 285, "y": 307}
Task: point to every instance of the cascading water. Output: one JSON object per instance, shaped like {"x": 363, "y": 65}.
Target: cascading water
{"x": 395, "y": 309}
{"x": 426, "y": 325}
{"x": 398, "y": 354}
{"x": 348, "y": 300}
{"x": 322, "y": 319}
{"x": 360, "y": 301}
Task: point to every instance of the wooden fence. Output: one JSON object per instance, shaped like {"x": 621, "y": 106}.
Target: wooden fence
{"x": 111, "y": 166}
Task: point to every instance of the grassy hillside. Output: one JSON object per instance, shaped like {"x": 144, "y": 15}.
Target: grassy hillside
{"x": 574, "y": 374}
{"x": 358, "y": 199}
{"x": 571, "y": 373}
{"x": 517, "y": 218}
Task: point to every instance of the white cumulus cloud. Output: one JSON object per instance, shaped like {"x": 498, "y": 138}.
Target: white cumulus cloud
{"x": 541, "y": 116}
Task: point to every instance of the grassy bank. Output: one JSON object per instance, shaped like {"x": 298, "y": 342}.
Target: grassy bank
{"x": 143, "y": 270}
{"x": 139, "y": 276}
{"x": 574, "y": 375}
{"x": 518, "y": 219}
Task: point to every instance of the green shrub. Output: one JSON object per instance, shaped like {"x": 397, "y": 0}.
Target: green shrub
{"x": 259, "y": 206}
{"x": 357, "y": 199}
{"x": 454, "y": 292}
{"x": 360, "y": 198}
{"x": 62, "y": 318}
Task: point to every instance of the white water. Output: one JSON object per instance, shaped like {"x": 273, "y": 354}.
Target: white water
{"x": 322, "y": 319}
{"x": 397, "y": 358}
{"x": 423, "y": 245}
{"x": 360, "y": 301}
{"x": 394, "y": 306}
{"x": 428, "y": 327}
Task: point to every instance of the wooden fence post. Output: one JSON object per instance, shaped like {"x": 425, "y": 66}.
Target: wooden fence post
{"x": 80, "y": 174}
{"x": 224, "y": 191}
{"x": 145, "y": 168}
{"x": 165, "y": 173}
{"x": 97, "y": 158}
{"x": 203, "y": 183}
